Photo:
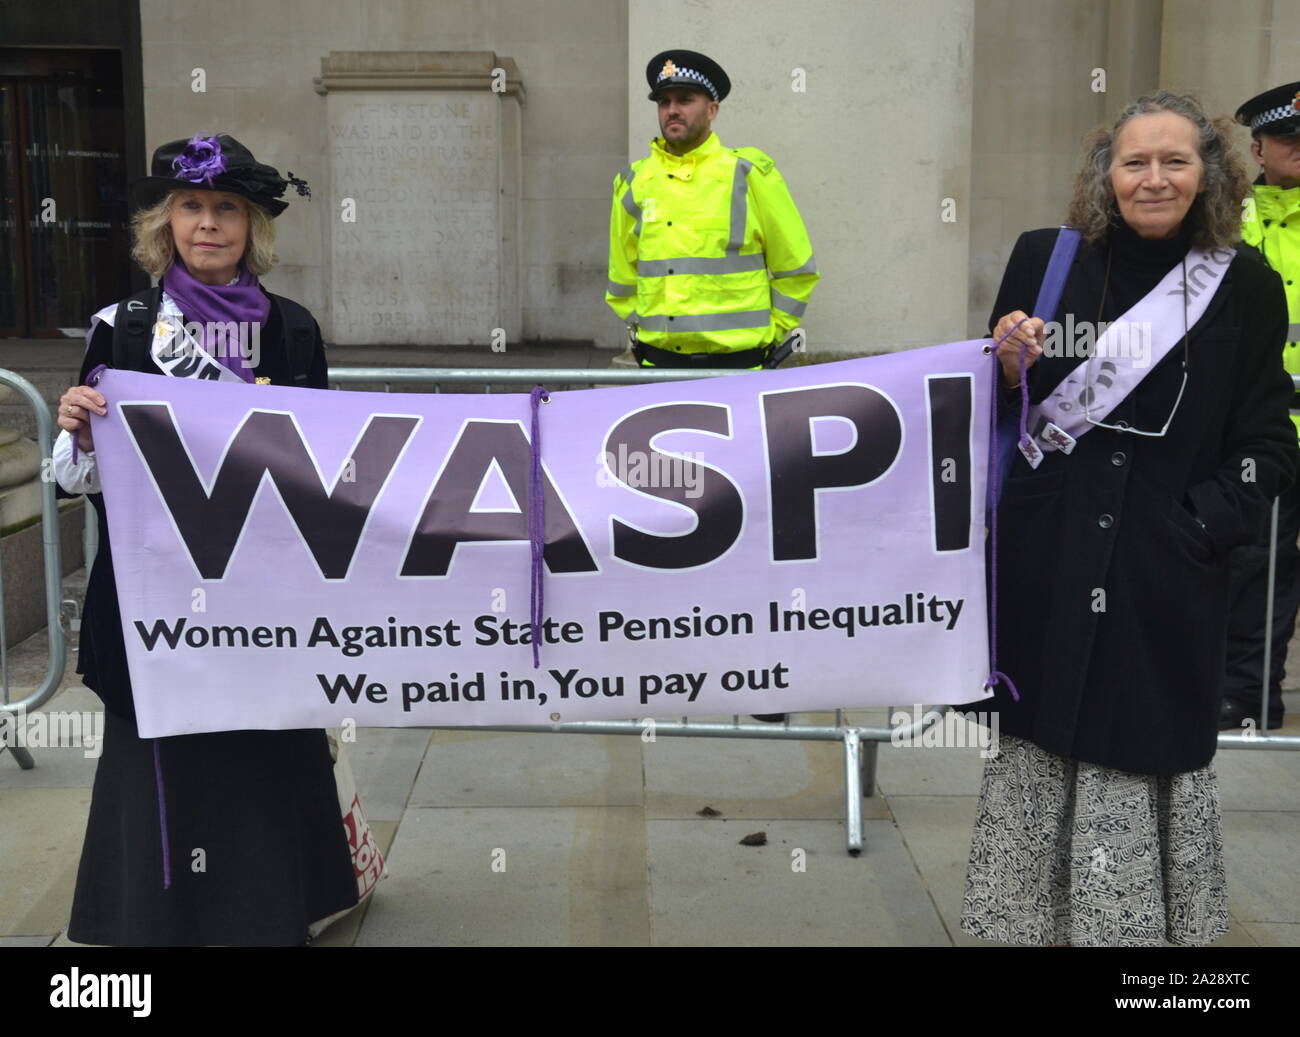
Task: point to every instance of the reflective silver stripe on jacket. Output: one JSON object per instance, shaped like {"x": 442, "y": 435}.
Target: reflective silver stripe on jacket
{"x": 791, "y": 306}
{"x": 739, "y": 205}
{"x": 809, "y": 267}
{"x": 621, "y": 291}
{"x": 708, "y": 321}
{"x": 699, "y": 265}
{"x": 1293, "y": 333}
{"x": 629, "y": 203}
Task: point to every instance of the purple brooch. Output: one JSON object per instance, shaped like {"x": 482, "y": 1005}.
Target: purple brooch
{"x": 200, "y": 161}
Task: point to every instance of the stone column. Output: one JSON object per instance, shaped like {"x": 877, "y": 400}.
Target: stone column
{"x": 424, "y": 152}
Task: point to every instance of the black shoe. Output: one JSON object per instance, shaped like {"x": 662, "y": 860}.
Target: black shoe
{"x": 771, "y": 718}
{"x": 1233, "y": 714}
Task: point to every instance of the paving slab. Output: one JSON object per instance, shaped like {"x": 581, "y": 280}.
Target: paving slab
{"x": 744, "y": 778}
{"x": 708, "y": 890}
{"x": 1260, "y": 851}
{"x": 1254, "y": 780}
{"x": 507, "y": 769}
{"x": 918, "y": 770}
{"x": 1274, "y": 934}
{"x": 564, "y": 877}
{"x": 937, "y": 833}
{"x": 58, "y": 768}
{"x": 40, "y": 846}
{"x": 385, "y": 762}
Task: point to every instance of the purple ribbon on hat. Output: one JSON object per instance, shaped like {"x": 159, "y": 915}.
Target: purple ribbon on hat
{"x": 201, "y": 161}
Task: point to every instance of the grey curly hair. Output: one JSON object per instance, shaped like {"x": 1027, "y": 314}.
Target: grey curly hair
{"x": 1216, "y": 213}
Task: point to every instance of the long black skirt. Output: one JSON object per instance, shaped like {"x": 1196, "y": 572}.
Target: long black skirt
{"x": 256, "y": 845}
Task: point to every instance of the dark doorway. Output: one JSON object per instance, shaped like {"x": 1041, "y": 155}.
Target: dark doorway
{"x": 63, "y": 176}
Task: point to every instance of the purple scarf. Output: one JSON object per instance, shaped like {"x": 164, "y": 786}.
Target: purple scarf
{"x": 243, "y": 302}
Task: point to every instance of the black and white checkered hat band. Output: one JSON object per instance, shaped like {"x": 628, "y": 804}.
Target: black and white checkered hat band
{"x": 690, "y": 73}
{"x": 1286, "y": 111}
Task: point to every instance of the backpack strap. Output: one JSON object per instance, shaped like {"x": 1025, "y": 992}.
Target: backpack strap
{"x": 1058, "y": 269}
{"x": 1007, "y": 433}
{"x": 299, "y": 336}
{"x": 133, "y": 328}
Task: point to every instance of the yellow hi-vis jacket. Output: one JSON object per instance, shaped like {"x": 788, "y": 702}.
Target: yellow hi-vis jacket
{"x": 707, "y": 252}
{"x": 1272, "y": 225}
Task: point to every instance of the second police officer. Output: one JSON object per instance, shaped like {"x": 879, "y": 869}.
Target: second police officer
{"x": 1272, "y": 225}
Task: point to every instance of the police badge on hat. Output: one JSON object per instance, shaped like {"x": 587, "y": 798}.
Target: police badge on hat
{"x": 1275, "y": 112}
{"x": 686, "y": 68}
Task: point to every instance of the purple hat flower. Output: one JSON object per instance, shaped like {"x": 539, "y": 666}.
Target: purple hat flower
{"x": 214, "y": 163}
{"x": 200, "y": 161}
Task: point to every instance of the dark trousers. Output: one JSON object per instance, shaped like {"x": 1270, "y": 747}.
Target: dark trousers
{"x": 1248, "y": 567}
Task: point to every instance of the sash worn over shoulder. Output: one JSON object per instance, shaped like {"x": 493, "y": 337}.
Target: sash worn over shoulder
{"x": 1124, "y": 354}
{"x": 174, "y": 350}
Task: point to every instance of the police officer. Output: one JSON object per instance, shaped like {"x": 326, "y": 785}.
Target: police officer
{"x": 709, "y": 261}
{"x": 1272, "y": 225}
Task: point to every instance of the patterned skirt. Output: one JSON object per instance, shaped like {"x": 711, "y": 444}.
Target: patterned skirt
{"x": 1072, "y": 853}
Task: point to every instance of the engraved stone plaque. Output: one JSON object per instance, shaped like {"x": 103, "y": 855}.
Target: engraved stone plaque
{"x": 424, "y": 184}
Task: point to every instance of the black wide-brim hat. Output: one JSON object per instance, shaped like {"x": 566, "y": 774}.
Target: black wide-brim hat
{"x": 686, "y": 68}
{"x": 1275, "y": 112}
{"x": 216, "y": 163}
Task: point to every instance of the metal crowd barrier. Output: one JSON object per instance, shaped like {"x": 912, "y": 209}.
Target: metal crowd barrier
{"x": 53, "y": 572}
{"x": 859, "y": 743}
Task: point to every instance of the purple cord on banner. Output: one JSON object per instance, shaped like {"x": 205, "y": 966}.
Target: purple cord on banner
{"x": 536, "y": 524}
{"x": 994, "y": 480}
{"x": 92, "y": 380}
{"x": 162, "y": 817}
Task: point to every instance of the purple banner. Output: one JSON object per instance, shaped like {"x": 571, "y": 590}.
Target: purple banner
{"x": 773, "y": 542}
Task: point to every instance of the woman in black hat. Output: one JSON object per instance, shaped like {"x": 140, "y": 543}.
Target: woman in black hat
{"x": 236, "y": 837}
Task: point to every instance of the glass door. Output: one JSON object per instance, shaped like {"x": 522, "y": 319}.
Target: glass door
{"x": 64, "y": 186}
{"x": 13, "y": 286}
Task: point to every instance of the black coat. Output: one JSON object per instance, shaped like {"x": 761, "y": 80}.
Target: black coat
{"x": 261, "y": 804}
{"x": 1112, "y": 607}
{"x": 101, "y": 659}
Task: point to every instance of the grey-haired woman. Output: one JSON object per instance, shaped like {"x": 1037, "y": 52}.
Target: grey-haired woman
{"x": 1098, "y": 822}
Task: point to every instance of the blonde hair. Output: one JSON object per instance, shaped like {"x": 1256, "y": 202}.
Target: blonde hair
{"x": 155, "y": 251}
{"x": 1216, "y": 212}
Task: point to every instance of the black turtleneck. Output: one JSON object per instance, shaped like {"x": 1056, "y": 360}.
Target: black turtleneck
{"x": 1137, "y": 264}
{"x": 1136, "y": 267}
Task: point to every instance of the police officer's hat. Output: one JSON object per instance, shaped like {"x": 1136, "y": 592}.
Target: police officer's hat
{"x": 686, "y": 68}
{"x": 1275, "y": 111}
